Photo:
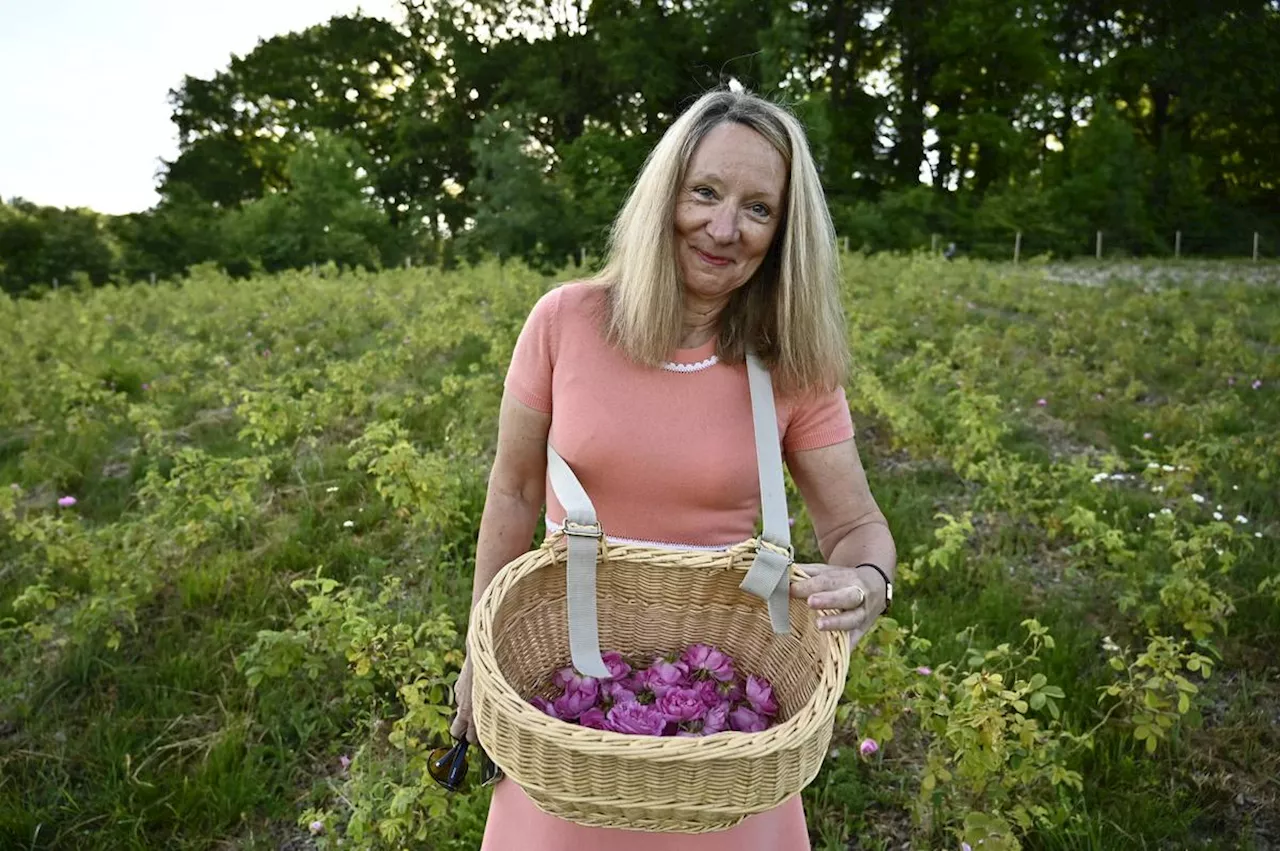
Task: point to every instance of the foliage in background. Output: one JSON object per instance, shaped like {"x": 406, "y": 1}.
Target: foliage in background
{"x": 237, "y": 520}
{"x": 517, "y": 128}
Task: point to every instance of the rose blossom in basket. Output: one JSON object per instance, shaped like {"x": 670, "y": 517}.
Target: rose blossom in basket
{"x": 617, "y": 665}
{"x": 705, "y": 661}
{"x": 615, "y": 692}
{"x": 746, "y": 720}
{"x": 568, "y": 678}
{"x": 681, "y": 704}
{"x": 661, "y": 677}
{"x": 636, "y": 719}
{"x": 544, "y": 705}
{"x": 576, "y": 701}
{"x": 760, "y": 696}
{"x": 594, "y": 718}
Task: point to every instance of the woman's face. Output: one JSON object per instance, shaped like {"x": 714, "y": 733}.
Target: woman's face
{"x": 727, "y": 210}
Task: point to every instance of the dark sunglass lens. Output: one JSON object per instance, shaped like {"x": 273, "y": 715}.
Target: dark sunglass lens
{"x": 458, "y": 771}
{"x": 489, "y": 771}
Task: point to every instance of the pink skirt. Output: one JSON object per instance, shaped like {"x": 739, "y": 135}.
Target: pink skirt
{"x": 515, "y": 824}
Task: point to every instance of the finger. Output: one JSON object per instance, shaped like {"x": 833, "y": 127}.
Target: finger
{"x": 460, "y": 727}
{"x": 829, "y": 580}
{"x": 472, "y": 735}
{"x": 847, "y": 621}
{"x": 848, "y": 597}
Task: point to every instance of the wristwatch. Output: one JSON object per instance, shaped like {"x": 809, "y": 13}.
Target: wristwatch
{"x": 888, "y": 586}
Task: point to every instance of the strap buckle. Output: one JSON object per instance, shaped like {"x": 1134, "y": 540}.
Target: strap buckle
{"x": 582, "y": 530}
{"x": 789, "y": 551}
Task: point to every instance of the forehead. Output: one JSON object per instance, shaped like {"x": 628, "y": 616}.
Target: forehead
{"x": 737, "y": 155}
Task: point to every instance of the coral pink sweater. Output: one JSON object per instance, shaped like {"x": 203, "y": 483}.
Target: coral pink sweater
{"x": 667, "y": 456}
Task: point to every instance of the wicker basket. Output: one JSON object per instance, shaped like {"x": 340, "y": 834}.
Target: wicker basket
{"x": 651, "y": 601}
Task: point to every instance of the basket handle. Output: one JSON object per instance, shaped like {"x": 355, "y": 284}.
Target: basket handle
{"x": 583, "y": 533}
{"x": 768, "y": 577}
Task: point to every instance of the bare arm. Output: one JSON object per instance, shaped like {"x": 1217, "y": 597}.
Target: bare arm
{"x": 851, "y": 531}
{"x": 516, "y": 494}
{"x": 517, "y": 489}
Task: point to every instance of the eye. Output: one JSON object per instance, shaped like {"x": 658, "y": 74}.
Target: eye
{"x": 760, "y": 211}
{"x": 704, "y": 192}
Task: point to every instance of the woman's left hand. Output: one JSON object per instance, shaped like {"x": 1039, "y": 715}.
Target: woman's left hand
{"x": 858, "y": 595}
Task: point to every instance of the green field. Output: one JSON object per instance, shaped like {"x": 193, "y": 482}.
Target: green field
{"x": 249, "y": 619}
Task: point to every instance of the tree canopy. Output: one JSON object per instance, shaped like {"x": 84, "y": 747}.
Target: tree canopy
{"x": 516, "y": 128}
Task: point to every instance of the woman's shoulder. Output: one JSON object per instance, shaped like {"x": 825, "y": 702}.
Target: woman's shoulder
{"x": 579, "y": 294}
{"x": 576, "y": 302}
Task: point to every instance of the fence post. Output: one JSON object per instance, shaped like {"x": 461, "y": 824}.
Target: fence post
{"x": 1255, "y": 246}
{"x": 153, "y": 279}
{"x": 1017, "y": 247}
{"x": 1177, "y": 245}
{"x": 846, "y": 245}
{"x": 1099, "y": 249}
{"x": 933, "y": 244}
{"x": 407, "y": 262}
{"x": 55, "y": 283}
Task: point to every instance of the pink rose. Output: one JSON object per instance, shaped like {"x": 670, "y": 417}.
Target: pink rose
{"x": 716, "y": 720}
{"x": 868, "y": 747}
{"x": 681, "y": 704}
{"x": 568, "y": 678}
{"x": 760, "y": 696}
{"x": 664, "y": 676}
{"x": 594, "y": 718}
{"x": 705, "y": 661}
{"x": 636, "y": 719}
{"x": 574, "y": 702}
{"x": 616, "y": 692}
{"x": 544, "y": 705}
{"x": 618, "y": 667}
{"x": 745, "y": 720}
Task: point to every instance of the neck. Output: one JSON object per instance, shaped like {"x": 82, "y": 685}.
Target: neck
{"x": 701, "y": 320}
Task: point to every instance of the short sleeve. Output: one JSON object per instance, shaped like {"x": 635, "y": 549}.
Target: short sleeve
{"x": 533, "y": 360}
{"x": 817, "y": 421}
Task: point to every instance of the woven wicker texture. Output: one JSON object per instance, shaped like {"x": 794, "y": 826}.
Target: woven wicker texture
{"x": 650, "y": 601}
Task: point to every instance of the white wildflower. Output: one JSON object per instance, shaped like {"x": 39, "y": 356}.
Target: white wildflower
{"x": 1217, "y": 515}
{"x": 1151, "y": 514}
{"x": 1100, "y": 477}
{"x": 1198, "y": 498}
{"x": 1166, "y": 511}
{"x": 1240, "y": 518}
{"x": 333, "y": 489}
{"x": 1257, "y": 534}
{"x": 1168, "y": 468}
{"x": 348, "y": 523}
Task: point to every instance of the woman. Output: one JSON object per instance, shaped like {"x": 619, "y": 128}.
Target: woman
{"x": 638, "y": 379}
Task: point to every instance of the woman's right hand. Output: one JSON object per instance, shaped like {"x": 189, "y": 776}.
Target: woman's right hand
{"x": 463, "y": 725}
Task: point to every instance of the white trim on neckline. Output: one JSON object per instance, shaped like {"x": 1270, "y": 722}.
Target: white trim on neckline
{"x": 692, "y": 367}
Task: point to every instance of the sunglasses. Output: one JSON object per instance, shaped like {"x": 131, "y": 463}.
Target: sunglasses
{"x": 448, "y": 766}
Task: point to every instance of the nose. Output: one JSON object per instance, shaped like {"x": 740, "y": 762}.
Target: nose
{"x": 723, "y": 227}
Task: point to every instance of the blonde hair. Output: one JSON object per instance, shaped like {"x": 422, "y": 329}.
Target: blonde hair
{"x": 790, "y": 311}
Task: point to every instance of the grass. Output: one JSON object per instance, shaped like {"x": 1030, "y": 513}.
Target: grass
{"x": 161, "y": 743}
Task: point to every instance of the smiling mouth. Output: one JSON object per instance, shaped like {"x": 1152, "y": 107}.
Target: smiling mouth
{"x": 712, "y": 259}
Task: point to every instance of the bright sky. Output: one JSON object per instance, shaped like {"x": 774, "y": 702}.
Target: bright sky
{"x": 84, "y": 114}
